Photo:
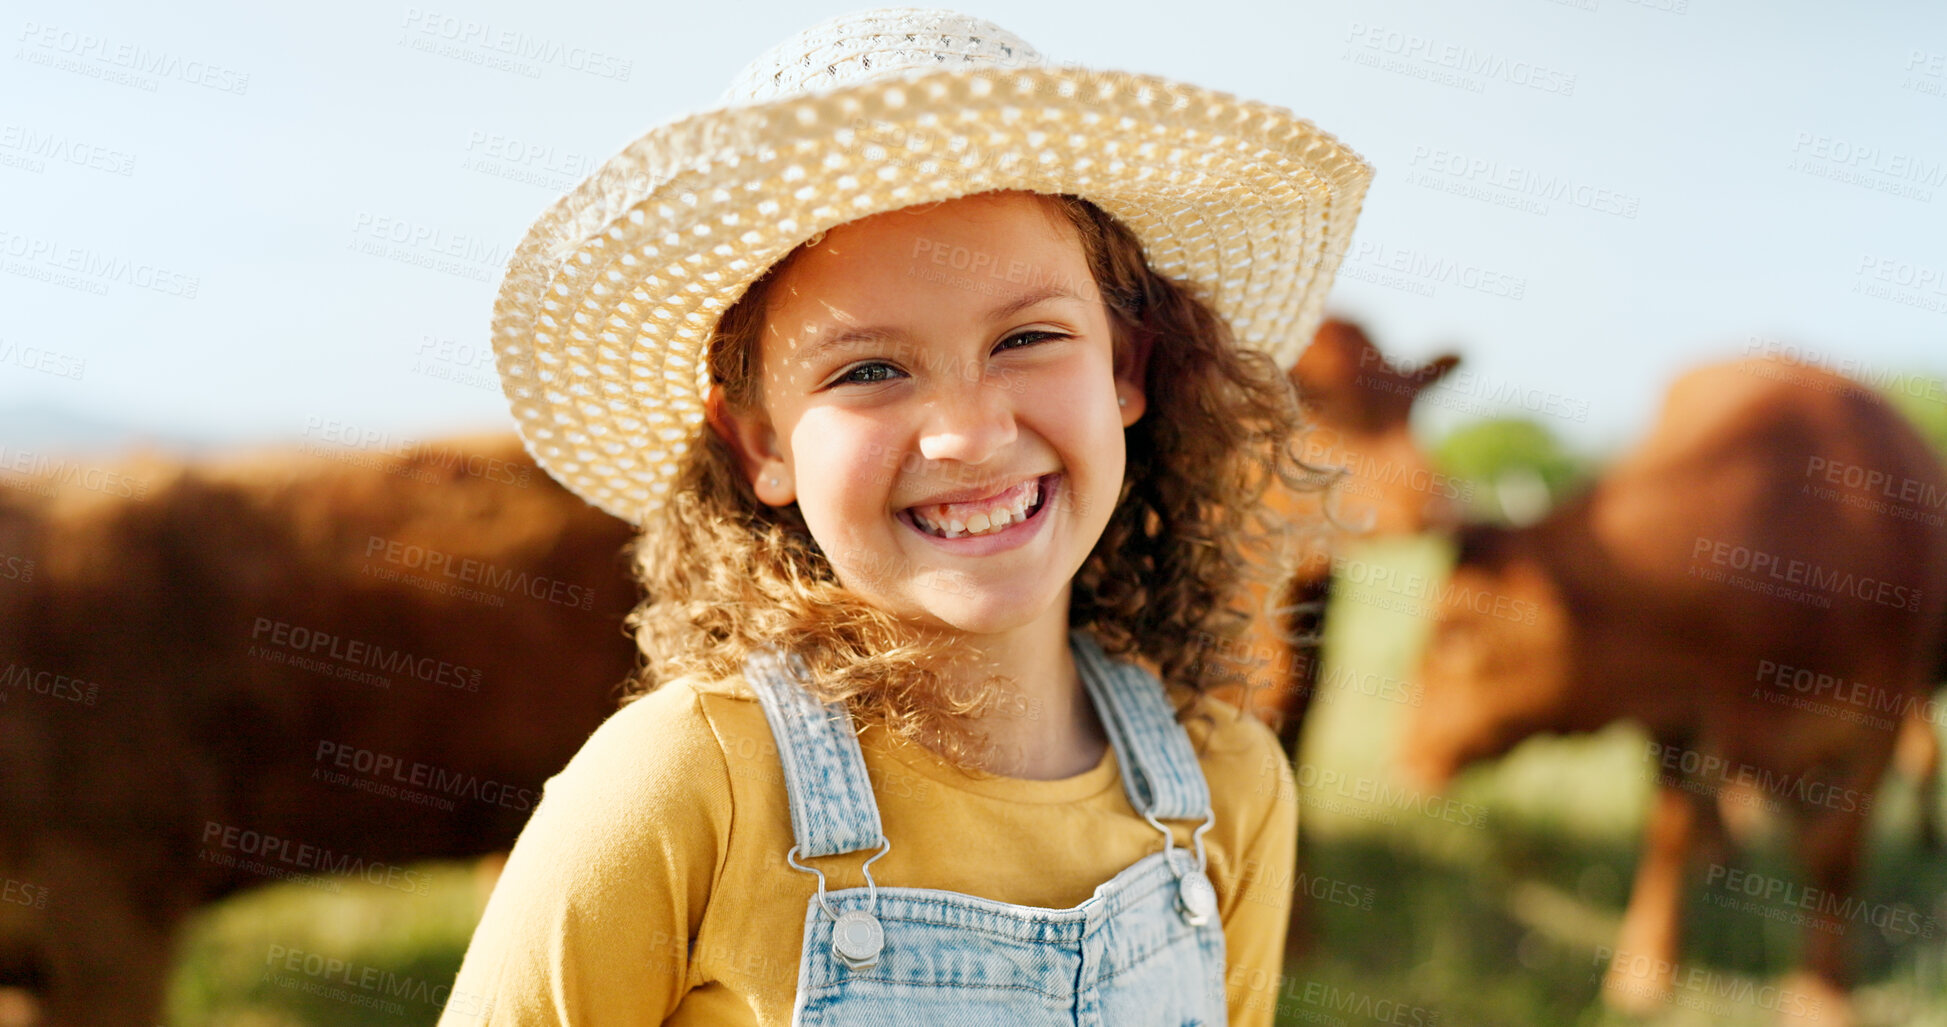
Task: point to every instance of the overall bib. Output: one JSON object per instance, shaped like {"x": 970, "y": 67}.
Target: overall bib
{"x": 1146, "y": 948}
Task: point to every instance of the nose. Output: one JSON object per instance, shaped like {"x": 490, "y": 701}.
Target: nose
{"x": 968, "y": 422}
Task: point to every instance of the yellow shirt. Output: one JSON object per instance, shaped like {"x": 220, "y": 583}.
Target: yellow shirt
{"x": 650, "y": 886}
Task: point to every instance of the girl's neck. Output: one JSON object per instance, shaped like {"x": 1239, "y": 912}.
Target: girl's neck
{"x": 1043, "y": 726}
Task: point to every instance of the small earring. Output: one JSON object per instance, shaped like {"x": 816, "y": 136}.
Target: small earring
{"x": 1122, "y": 401}
{"x": 773, "y": 482}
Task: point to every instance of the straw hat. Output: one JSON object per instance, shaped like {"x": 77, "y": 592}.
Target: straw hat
{"x": 601, "y": 324}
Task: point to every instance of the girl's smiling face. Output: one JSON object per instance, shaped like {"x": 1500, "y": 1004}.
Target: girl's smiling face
{"x": 928, "y": 375}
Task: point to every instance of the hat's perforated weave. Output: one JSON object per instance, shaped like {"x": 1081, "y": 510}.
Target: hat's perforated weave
{"x": 609, "y": 302}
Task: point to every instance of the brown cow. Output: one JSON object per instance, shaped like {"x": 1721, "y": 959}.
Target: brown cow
{"x": 285, "y": 665}
{"x": 1360, "y": 405}
{"x": 1762, "y": 584}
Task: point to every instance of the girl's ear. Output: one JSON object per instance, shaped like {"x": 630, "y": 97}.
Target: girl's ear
{"x": 1131, "y": 371}
{"x": 749, "y": 435}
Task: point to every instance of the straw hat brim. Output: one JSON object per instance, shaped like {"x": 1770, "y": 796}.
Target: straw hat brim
{"x": 601, "y": 323}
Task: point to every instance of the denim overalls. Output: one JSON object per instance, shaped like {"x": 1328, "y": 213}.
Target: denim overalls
{"x": 1146, "y": 948}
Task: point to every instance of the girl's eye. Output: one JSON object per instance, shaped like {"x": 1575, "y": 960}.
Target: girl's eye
{"x": 858, "y": 375}
{"x": 1032, "y": 335}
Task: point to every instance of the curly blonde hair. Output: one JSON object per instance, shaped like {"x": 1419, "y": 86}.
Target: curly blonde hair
{"x": 725, "y": 574}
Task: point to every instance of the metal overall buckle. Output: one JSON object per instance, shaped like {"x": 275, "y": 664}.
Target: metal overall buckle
{"x": 1196, "y": 900}
{"x": 857, "y": 937}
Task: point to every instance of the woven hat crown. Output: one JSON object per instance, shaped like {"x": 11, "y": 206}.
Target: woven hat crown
{"x": 878, "y": 44}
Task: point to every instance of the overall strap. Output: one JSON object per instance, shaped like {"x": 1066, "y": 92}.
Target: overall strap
{"x": 832, "y": 808}
{"x": 1159, "y": 768}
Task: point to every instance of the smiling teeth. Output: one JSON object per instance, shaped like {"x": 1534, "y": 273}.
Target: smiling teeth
{"x": 954, "y": 520}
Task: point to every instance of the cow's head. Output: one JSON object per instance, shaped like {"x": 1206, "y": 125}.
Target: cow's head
{"x": 1361, "y": 404}
{"x": 1494, "y": 670}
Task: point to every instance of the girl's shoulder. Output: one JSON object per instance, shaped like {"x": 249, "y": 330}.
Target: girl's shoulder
{"x": 1222, "y": 732}
{"x": 668, "y": 740}
{"x": 1246, "y": 767}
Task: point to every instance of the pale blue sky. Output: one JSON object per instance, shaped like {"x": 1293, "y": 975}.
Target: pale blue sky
{"x": 1595, "y": 195}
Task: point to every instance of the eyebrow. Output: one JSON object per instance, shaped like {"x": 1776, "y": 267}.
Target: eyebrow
{"x": 879, "y": 333}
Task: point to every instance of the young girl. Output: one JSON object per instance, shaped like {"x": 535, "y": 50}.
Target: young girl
{"x": 942, "y": 382}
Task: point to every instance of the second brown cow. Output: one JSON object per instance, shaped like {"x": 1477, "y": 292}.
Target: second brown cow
{"x": 1762, "y": 585}
{"x": 1360, "y": 404}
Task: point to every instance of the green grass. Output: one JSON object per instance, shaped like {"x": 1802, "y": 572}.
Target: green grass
{"x": 291, "y": 954}
{"x": 1467, "y": 925}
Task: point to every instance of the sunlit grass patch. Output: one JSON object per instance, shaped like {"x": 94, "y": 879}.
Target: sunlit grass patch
{"x": 291, "y": 955}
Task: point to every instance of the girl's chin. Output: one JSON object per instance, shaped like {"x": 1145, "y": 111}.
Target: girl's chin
{"x": 995, "y": 614}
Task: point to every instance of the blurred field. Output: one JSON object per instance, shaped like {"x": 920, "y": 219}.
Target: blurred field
{"x": 1488, "y": 910}
{"x": 264, "y": 958}
{"x": 1501, "y": 924}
